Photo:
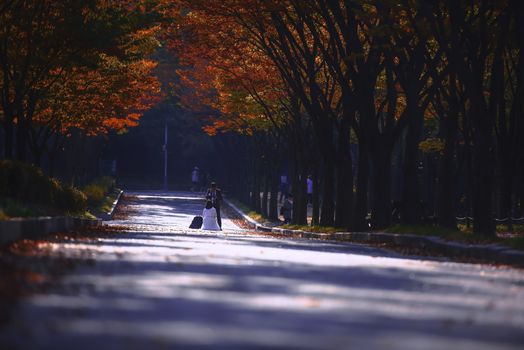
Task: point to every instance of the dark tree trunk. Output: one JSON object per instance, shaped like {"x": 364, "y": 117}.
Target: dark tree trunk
{"x": 483, "y": 180}
{"x": 22, "y": 138}
{"x": 37, "y": 157}
{"x": 293, "y": 185}
{"x": 410, "y": 189}
{"x": 344, "y": 202}
{"x": 9, "y": 138}
{"x": 470, "y": 65}
{"x": 256, "y": 193}
{"x": 381, "y": 179}
{"x": 315, "y": 215}
{"x": 53, "y": 153}
{"x": 299, "y": 216}
{"x": 264, "y": 210}
{"x": 300, "y": 204}
{"x": 328, "y": 208}
{"x": 469, "y": 187}
{"x": 21, "y": 142}
{"x": 361, "y": 203}
{"x": 273, "y": 199}
{"x": 521, "y": 195}
{"x": 446, "y": 184}
{"x": 519, "y": 190}
{"x": 505, "y": 199}
{"x": 255, "y": 189}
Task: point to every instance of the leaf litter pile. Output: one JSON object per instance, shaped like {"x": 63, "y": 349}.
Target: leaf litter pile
{"x": 32, "y": 266}
{"x": 124, "y": 210}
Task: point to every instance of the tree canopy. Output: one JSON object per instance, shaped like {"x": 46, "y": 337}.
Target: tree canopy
{"x": 361, "y": 84}
{"x": 82, "y": 65}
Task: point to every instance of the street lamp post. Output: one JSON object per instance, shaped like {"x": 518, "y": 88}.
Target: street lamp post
{"x": 165, "y": 156}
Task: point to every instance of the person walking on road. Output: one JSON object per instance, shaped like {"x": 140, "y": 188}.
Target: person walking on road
{"x": 209, "y": 216}
{"x": 284, "y": 188}
{"x": 214, "y": 195}
{"x": 194, "y": 179}
{"x": 287, "y": 209}
{"x": 309, "y": 190}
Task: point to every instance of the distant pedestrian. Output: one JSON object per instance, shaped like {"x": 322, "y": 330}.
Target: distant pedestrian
{"x": 287, "y": 208}
{"x": 209, "y": 216}
{"x": 309, "y": 190}
{"x": 194, "y": 178}
{"x": 214, "y": 195}
{"x": 284, "y": 188}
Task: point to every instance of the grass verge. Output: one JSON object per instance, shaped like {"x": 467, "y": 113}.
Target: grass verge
{"x": 463, "y": 234}
{"x": 247, "y": 211}
{"x": 106, "y": 204}
{"x": 318, "y": 229}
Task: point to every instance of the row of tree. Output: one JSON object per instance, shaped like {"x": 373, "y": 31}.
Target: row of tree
{"x": 341, "y": 84}
{"x": 73, "y": 68}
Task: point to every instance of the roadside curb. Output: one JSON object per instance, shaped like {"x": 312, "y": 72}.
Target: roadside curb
{"x": 109, "y": 215}
{"x": 32, "y": 228}
{"x": 492, "y": 253}
{"x": 250, "y": 222}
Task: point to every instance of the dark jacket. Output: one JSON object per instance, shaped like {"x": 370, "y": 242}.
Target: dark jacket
{"x": 287, "y": 210}
{"x": 214, "y": 196}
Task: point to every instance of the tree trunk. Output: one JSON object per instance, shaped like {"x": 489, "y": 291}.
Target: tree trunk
{"x": 315, "y": 215}
{"x": 22, "y": 133}
{"x": 298, "y": 187}
{"x": 410, "y": 188}
{"x": 300, "y": 202}
{"x": 256, "y": 193}
{"x": 505, "y": 198}
{"x": 446, "y": 184}
{"x": 9, "y": 137}
{"x": 361, "y": 203}
{"x": 328, "y": 208}
{"x": 483, "y": 179}
{"x": 263, "y": 206}
{"x": 273, "y": 199}
{"x": 255, "y": 189}
{"x": 381, "y": 178}
{"x": 301, "y": 193}
{"x": 37, "y": 156}
{"x": 344, "y": 194}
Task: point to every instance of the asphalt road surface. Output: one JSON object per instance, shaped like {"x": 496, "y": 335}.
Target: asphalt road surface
{"x": 160, "y": 285}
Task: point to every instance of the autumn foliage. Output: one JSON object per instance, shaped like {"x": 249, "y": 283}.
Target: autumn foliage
{"x": 74, "y": 65}
{"x": 375, "y": 86}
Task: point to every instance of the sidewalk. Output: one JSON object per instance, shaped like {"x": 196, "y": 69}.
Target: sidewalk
{"x": 482, "y": 253}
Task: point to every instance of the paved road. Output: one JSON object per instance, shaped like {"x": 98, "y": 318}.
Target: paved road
{"x": 162, "y": 286}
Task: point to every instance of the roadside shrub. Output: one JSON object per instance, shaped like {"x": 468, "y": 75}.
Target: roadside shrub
{"x": 23, "y": 182}
{"x": 72, "y": 200}
{"x": 28, "y": 184}
{"x": 94, "y": 193}
{"x": 106, "y": 182}
{"x": 98, "y": 189}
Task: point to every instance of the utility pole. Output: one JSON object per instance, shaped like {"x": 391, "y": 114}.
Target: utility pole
{"x": 165, "y": 155}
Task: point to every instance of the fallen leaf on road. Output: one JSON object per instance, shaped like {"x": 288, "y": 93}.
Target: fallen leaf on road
{"x": 311, "y": 302}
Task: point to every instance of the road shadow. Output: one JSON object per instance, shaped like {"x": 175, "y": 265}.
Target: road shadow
{"x": 199, "y": 290}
